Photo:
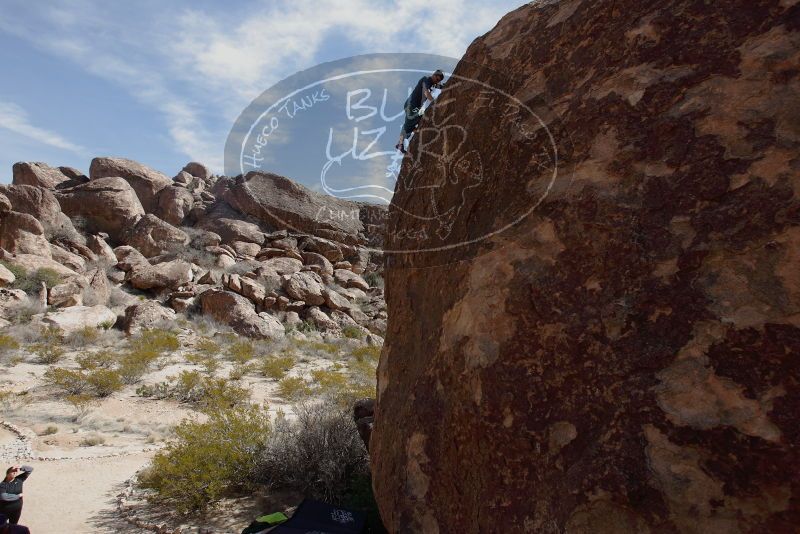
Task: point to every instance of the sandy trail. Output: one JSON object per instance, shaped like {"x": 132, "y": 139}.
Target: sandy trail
{"x": 77, "y": 496}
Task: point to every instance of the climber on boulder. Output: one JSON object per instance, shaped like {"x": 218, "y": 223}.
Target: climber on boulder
{"x": 413, "y": 106}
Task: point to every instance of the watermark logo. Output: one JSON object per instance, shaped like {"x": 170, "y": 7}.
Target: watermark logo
{"x": 336, "y": 129}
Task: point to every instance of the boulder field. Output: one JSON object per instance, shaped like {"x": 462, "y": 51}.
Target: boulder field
{"x": 130, "y": 246}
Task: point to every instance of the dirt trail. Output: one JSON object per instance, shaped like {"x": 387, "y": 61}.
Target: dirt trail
{"x": 77, "y": 496}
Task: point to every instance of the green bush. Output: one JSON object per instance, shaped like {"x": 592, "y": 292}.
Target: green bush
{"x": 276, "y": 367}
{"x": 373, "y": 279}
{"x": 31, "y": 282}
{"x": 104, "y": 382}
{"x": 367, "y": 352}
{"x": 94, "y": 360}
{"x": 353, "y": 332}
{"x": 95, "y": 383}
{"x": 47, "y": 352}
{"x": 293, "y": 388}
{"x": 69, "y": 381}
{"x": 207, "y": 347}
{"x": 88, "y": 335}
{"x": 209, "y": 460}
{"x": 158, "y": 340}
{"x": 206, "y": 393}
{"x": 8, "y": 343}
{"x": 209, "y": 364}
{"x": 242, "y": 351}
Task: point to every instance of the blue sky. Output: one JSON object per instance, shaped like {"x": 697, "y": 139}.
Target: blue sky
{"x": 163, "y": 82}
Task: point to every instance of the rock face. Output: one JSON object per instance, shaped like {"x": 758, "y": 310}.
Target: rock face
{"x": 22, "y": 233}
{"x": 149, "y": 314}
{"x": 278, "y": 201}
{"x": 41, "y": 204}
{"x": 624, "y": 359}
{"x": 238, "y": 313}
{"x": 38, "y": 174}
{"x": 107, "y": 204}
{"x": 152, "y": 236}
{"x": 76, "y": 317}
{"x": 145, "y": 181}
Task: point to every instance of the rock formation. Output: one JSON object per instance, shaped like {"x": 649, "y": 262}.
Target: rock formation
{"x": 179, "y": 242}
{"x": 625, "y": 357}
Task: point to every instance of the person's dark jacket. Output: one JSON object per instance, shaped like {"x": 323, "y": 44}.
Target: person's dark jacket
{"x": 9, "y": 491}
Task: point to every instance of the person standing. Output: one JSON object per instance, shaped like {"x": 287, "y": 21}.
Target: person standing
{"x": 11, "y": 492}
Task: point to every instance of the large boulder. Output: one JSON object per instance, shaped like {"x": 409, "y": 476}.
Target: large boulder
{"x": 239, "y": 313}
{"x": 68, "y": 293}
{"x": 170, "y": 274}
{"x": 198, "y": 170}
{"x": 306, "y": 286}
{"x": 145, "y": 315}
{"x": 32, "y": 263}
{"x": 6, "y": 277}
{"x": 22, "y": 233}
{"x": 37, "y": 174}
{"x": 75, "y": 318}
{"x": 102, "y": 250}
{"x": 174, "y": 203}
{"x": 152, "y": 236}
{"x": 280, "y": 203}
{"x": 107, "y": 205}
{"x": 145, "y": 181}
{"x": 227, "y": 223}
{"x": 43, "y": 206}
{"x": 625, "y": 357}
{"x": 69, "y": 259}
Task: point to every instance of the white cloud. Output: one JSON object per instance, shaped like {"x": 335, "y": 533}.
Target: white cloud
{"x": 199, "y": 67}
{"x": 15, "y": 119}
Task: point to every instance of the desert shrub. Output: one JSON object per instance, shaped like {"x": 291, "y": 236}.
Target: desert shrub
{"x": 276, "y": 367}
{"x": 374, "y": 279}
{"x": 92, "y": 440}
{"x": 329, "y": 381}
{"x": 88, "y": 335}
{"x": 158, "y": 340}
{"x": 104, "y": 382}
{"x": 206, "y": 393}
{"x": 207, "y": 347}
{"x": 161, "y": 390}
{"x": 353, "y": 332}
{"x": 317, "y": 346}
{"x": 209, "y": 460}
{"x": 50, "y": 430}
{"x": 10, "y": 400}
{"x": 8, "y": 343}
{"x": 306, "y": 327}
{"x": 145, "y": 350}
{"x": 293, "y": 388}
{"x": 134, "y": 364}
{"x": 94, "y": 383}
{"x": 241, "y": 351}
{"x": 31, "y": 282}
{"x": 97, "y": 359}
{"x": 367, "y": 352}
{"x": 318, "y": 454}
{"x": 82, "y": 404}
{"x": 209, "y": 364}
{"x": 47, "y": 351}
{"x": 22, "y": 312}
{"x": 240, "y": 370}
{"x": 69, "y": 381}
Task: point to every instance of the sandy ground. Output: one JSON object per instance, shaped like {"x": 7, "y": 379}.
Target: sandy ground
{"x": 76, "y": 492}
{"x": 77, "y": 496}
